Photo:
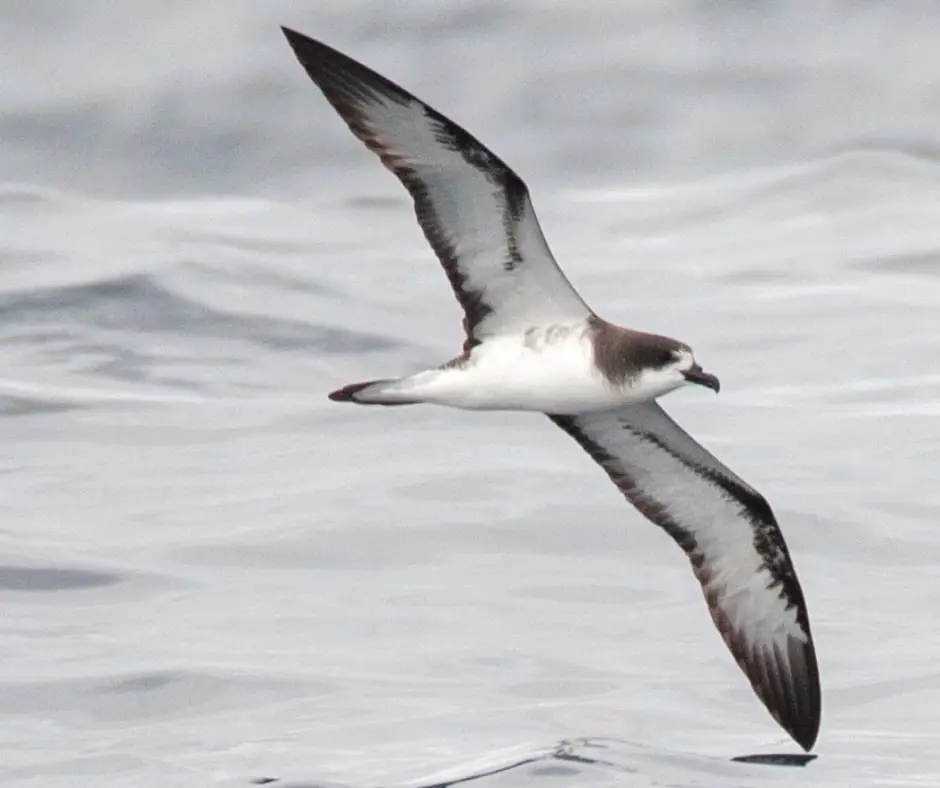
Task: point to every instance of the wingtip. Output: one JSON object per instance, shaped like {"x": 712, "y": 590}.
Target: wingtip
{"x": 807, "y": 735}
{"x": 803, "y": 729}
{"x": 785, "y": 678}
{"x": 804, "y": 732}
{"x": 313, "y": 54}
{"x": 809, "y": 742}
{"x": 801, "y": 714}
{"x": 298, "y": 41}
{"x": 294, "y": 39}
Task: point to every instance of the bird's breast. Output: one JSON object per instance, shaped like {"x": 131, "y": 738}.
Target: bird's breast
{"x": 549, "y": 370}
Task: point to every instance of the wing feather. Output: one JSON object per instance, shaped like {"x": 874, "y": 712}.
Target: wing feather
{"x": 474, "y": 210}
{"x": 731, "y": 537}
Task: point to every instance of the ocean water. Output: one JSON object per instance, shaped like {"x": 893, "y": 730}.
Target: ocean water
{"x": 212, "y": 575}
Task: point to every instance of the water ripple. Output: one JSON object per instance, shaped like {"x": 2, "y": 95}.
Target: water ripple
{"x": 140, "y": 304}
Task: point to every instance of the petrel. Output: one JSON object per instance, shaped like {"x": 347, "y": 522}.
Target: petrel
{"x": 533, "y": 344}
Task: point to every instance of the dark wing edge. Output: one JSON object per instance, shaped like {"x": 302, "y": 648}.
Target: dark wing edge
{"x": 350, "y": 86}
{"x": 786, "y": 680}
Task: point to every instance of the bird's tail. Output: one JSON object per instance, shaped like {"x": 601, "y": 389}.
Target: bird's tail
{"x": 376, "y": 392}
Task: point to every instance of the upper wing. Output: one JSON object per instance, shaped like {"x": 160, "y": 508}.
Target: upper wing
{"x": 730, "y": 535}
{"x": 474, "y": 210}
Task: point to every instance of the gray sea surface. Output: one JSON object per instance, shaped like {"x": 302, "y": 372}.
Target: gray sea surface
{"x": 210, "y": 574}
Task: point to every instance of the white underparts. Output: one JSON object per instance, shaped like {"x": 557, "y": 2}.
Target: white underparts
{"x": 546, "y": 370}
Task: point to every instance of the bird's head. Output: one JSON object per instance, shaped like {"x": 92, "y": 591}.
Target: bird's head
{"x": 691, "y": 371}
{"x": 668, "y": 365}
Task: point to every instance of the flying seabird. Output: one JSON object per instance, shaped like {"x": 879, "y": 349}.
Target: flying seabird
{"x": 532, "y": 344}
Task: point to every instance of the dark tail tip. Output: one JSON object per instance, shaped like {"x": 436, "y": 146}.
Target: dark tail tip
{"x": 348, "y": 393}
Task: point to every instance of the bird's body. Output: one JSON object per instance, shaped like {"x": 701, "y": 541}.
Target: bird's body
{"x": 533, "y": 344}
{"x": 546, "y": 369}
